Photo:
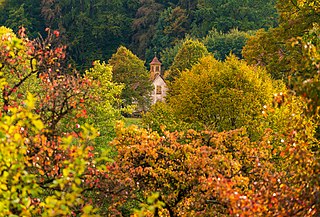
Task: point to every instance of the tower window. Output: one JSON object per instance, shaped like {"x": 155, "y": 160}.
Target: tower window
{"x": 157, "y": 68}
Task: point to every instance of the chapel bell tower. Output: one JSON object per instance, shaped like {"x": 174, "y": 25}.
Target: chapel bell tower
{"x": 155, "y": 68}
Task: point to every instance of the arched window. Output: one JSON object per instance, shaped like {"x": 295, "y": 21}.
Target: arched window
{"x": 158, "y": 90}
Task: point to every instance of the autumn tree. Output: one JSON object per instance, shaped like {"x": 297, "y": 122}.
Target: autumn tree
{"x": 224, "y": 96}
{"x": 291, "y": 51}
{"x": 221, "y": 95}
{"x": 58, "y": 163}
{"x": 17, "y": 79}
{"x": 200, "y": 173}
{"x": 289, "y": 185}
{"x": 209, "y": 173}
{"x": 176, "y": 165}
{"x": 129, "y": 70}
{"x": 25, "y": 189}
{"x": 43, "y": 168}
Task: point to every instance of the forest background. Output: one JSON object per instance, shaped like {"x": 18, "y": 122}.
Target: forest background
{"x": 94, "y": 29}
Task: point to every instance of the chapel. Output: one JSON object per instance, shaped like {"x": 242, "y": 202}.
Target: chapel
{"x": 160, "y": 87}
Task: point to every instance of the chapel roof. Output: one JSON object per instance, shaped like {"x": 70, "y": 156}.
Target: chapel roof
{"x": 158, "y": 76}
{"x": 155, "y": 61}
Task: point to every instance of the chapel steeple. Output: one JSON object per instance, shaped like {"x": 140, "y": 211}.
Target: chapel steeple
{"x": 155, "y": 68}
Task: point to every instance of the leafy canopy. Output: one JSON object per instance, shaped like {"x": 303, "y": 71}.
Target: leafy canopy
{"x": 222, "y": 95}
{"x": 188, "y": 55}
{"x": 129, "y": 70}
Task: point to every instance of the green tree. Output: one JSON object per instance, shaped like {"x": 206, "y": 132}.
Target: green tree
{"x": 167, "y": 54}
{"x": 188, "y": 5}
{"x": 161, "y": 117}
{"x": 171, "y": 27}
{"x": 102, "y": 108}
{"x": 222, "y": 44}
{"x": 17, "y": 18}
{"x": 227, "y": 15}
{"x": 188, "y": 55}
{"x": 129, "y": 70}
{"x": 116, "y": 17}
{"x": 17, "y": 13}
{"x": 144, "y": 25}
{"x": 84, "y": 24}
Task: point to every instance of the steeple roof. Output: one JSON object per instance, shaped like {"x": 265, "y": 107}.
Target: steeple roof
{"x": 155, "y": 61}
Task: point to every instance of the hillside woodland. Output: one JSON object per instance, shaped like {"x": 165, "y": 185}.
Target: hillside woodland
{"x": 94, "y": 29}
{"x": 238, "y": 133}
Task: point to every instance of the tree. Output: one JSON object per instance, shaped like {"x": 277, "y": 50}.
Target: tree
{"x": 167, "y": 55}
{"x": 307, "y": 84}
{"x": 277, "y": 49}
{"x": 176, "y": 165}
{"x": 94, "y": 29}
{"x": 296, "y": 55}
{"x": 16, "y": 77}
{"x": 291, "y": 51}
{"x": 128, "y": 69}
{"x": 144, "y": 25}
{"x": 102, "y": 108}
{"x": 222, "y": 44}
{"x": 161, "y": 117}
{"x": 227, "y": 15}
{"x": 17, "y": 18}
{"x": 23, "y": 190}
{"x": 17, "y": 13}
{"x": 188, "y": 55}
{"x": 54, "y": 160}
{"x": 208, "y": 173}
{"x": 171, "y": 27}
{"x": 42, "y": 163}
{"x": 221, "y": 95}
{"x": 229, "y": 95}
{"x": 84, "y": 24}
{"x": 289, "y": 185}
